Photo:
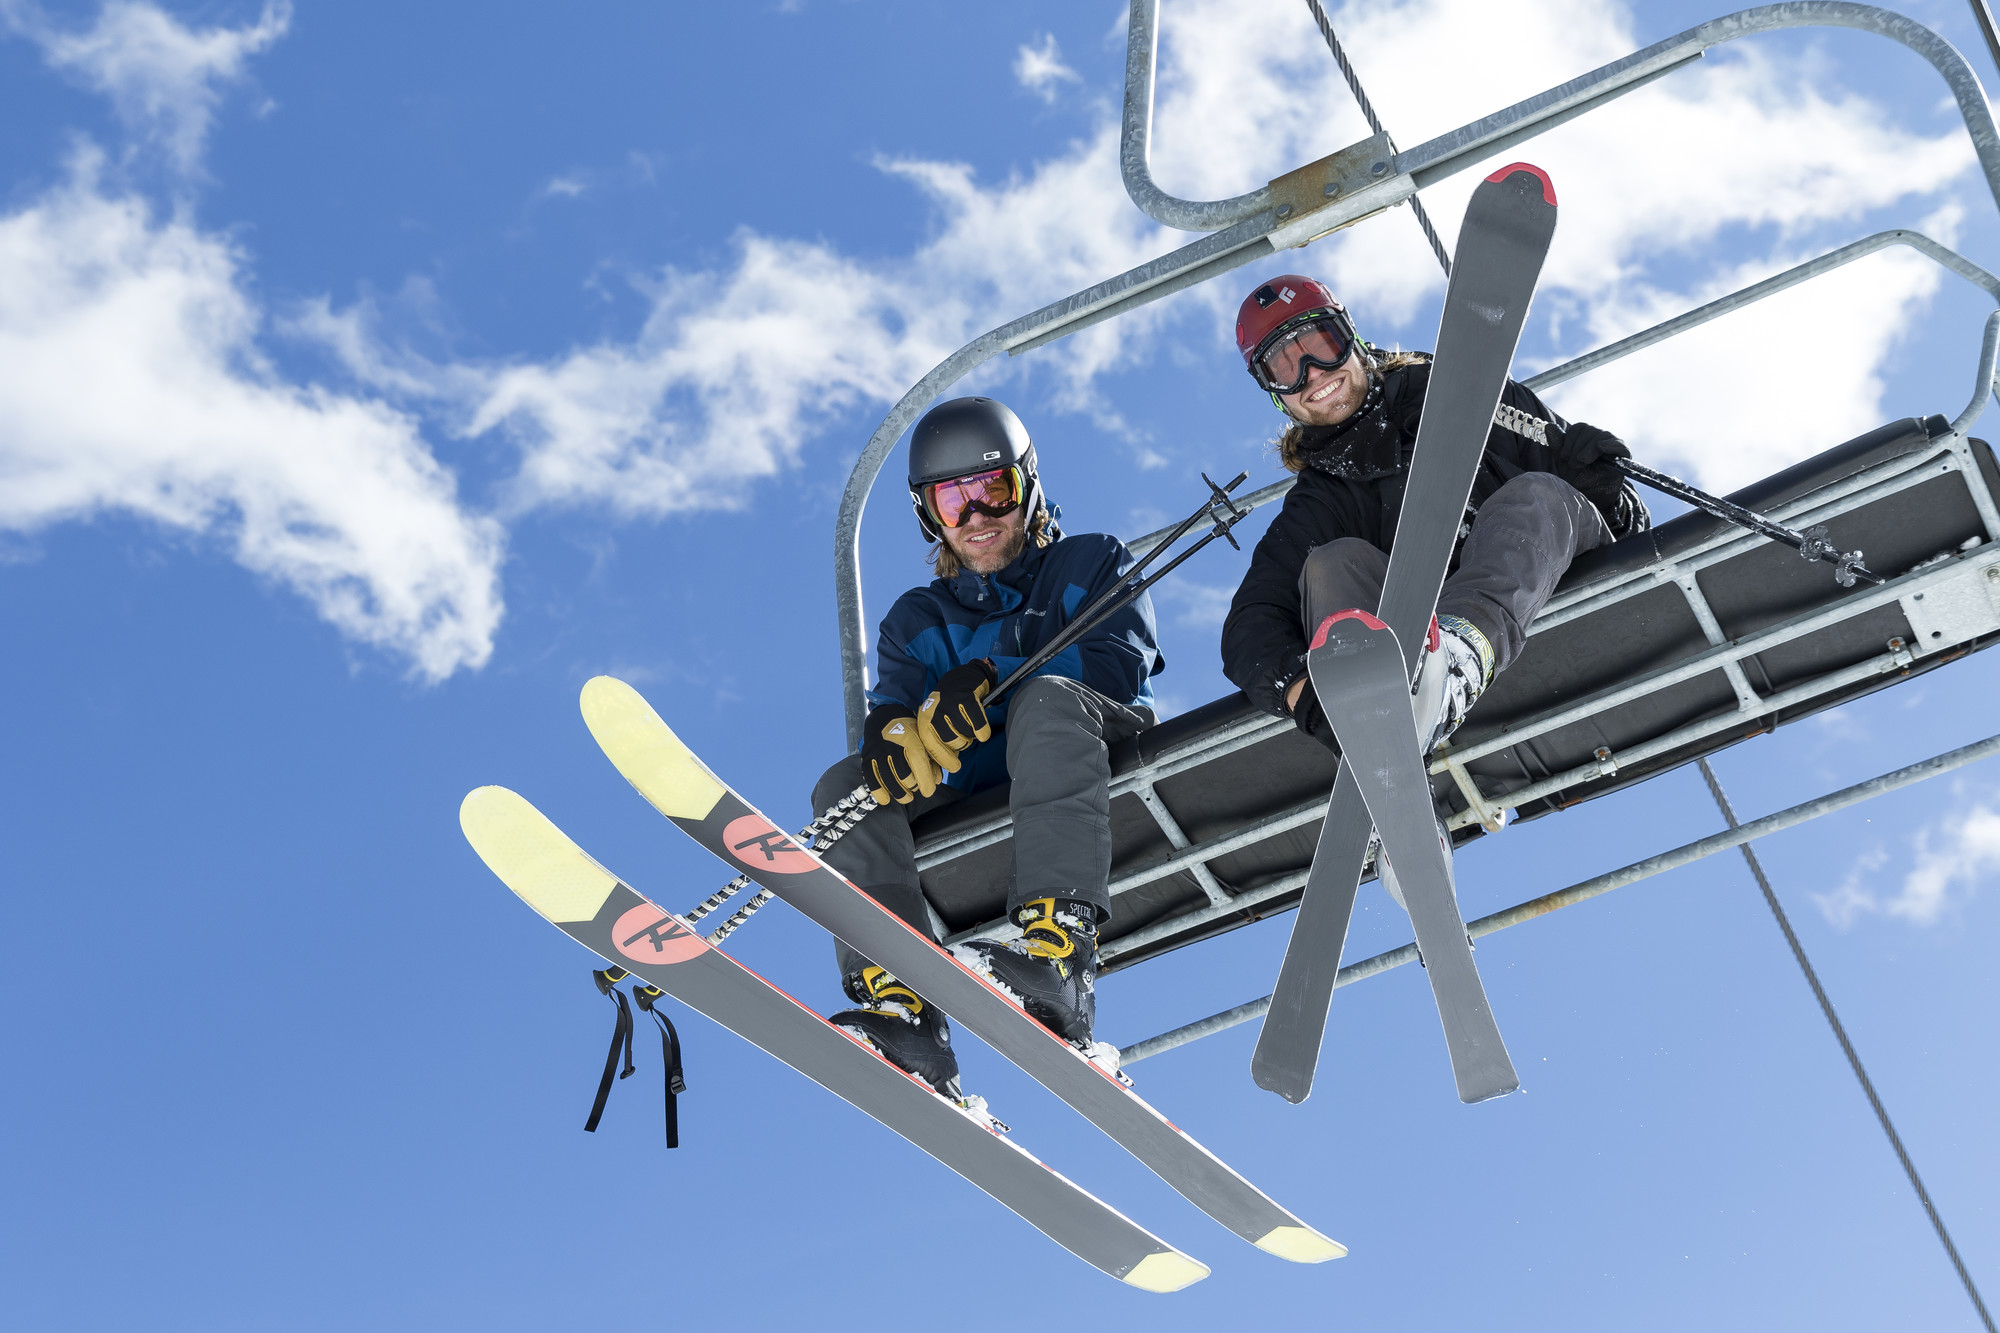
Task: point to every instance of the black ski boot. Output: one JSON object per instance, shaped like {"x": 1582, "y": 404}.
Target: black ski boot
{"x": 1051, "y": 969}
{"x": 911, "y": 1035}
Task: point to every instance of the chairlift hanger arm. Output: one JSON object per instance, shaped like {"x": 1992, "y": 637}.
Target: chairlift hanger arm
{"x": 1481, "y": 139}
{"x": 1247, "y": 227}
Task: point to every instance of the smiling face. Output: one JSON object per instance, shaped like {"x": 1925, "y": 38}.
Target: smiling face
{"x": 985, "y": 544}
{"x": 1329, "y": 396}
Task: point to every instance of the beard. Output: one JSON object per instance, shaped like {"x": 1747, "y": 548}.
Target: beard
{"x": 995, "y": 559}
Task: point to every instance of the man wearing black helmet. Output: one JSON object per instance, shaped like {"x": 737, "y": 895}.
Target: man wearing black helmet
{"x": 1546, "y": 492}
{"x": 1007, "y": 582}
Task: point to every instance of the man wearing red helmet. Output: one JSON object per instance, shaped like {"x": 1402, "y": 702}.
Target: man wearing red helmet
{"x": 1545, "y": 493}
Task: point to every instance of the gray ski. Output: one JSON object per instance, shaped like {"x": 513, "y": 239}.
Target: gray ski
{"x": 682, "y": 788}
{"x": 1357, "y": 665}
{"x": 1501, "y": 245}
{"x": 588, "y": 903}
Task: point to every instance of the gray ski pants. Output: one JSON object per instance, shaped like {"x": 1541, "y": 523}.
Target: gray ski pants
{"x": 1521, "y": 543}
{"x": 1058, "y": 734}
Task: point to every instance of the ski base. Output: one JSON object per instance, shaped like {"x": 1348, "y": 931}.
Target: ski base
{"x": 669, "y": 775}
{"x": 588, "y": 903}
{"x": 1509, "y": 224}
{"x": 1357, "y": 666}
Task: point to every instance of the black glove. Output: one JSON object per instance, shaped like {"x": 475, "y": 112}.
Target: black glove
{"x": 954, "y": 716}
{"x": 1585, "y": 453}
{"x": 1583, "y": 445}
{"x": 1310, "y": 718}
{"x": 893, "y": 759}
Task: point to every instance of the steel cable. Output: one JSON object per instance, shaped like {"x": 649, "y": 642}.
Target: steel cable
{"x": 1375, "y": 124}
{"x": 1847, "y": 1047}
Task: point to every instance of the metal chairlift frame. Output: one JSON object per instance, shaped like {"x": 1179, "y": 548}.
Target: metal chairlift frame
{"x": 1359, "y": 182}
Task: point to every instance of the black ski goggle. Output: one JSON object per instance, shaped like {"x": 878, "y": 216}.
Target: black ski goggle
{"x": 1284, "y": 360}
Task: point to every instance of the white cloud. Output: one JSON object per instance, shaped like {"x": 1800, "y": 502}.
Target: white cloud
{"x": 686, "y": 414}
{"x": 1946, "y": 863}
{"x": 163, "y": 77}
{"x": 1675, "y": 407}
{"x": 737, "y": 370}
{"x": 1040, "y": 68}
{"x": 1202, "y": 606}
{"x": 131, "y": 381}
{"x": 565, "y": 187}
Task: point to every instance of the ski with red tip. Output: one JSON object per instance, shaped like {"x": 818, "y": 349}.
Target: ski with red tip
{"x": 1501, "y": 246}
{"x": 1358, "y": 665}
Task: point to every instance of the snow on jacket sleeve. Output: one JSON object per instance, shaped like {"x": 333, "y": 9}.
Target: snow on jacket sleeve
{"x": 1263, "y": 639}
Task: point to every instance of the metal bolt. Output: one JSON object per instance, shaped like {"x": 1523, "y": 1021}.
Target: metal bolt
{"x": 1378, "y": 169}
{"x": 1993, "y": 572}
{"x": 1332, "y": 189}
{"x": 1285, "y": 211}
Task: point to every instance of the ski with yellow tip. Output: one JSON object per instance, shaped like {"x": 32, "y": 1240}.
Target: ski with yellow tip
{"x": 682, "y": 788}
{"x": 595, "y": 908}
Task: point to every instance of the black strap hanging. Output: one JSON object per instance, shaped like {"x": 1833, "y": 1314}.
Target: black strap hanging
{"x": 621, "y": 1035}
{"x": 670, "y": 1056}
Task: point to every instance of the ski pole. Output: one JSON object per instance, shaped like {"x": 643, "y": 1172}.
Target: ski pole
{"x": 1122, "y": 594}
{"x": 856, "y": 805}
{"x": 1812, "y": 543}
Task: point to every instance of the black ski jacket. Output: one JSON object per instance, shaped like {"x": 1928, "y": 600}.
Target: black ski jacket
{"x": 1353, "y": 487}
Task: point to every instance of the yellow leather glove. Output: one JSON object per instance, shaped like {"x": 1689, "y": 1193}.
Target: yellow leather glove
{"x": 954, "y": 717}
{"x": 893, "y": 758}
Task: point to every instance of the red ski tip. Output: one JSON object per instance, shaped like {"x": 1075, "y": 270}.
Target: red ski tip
{"x": 1326, "y": 626}
{"x": 1548, "y": 186}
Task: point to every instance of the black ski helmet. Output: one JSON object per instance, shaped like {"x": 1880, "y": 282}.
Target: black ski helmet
{"x": 964, "y": 436}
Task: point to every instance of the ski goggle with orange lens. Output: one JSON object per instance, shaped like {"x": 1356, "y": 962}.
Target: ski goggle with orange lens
{"x": 996, "y": 493}
{"x": 1283, "y": 360}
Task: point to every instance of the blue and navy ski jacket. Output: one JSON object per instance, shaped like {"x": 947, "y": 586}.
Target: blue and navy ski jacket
{"x": 1006, "y": 617}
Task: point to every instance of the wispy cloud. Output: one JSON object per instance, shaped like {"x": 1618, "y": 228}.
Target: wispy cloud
{"x": 1040, "y": 68}
{"x": 163, "y": 77}
{"x": 687, "y": 414}
{"x": 335, "y": 494}
{"x": 1200, "y": 606}
{"x": 132, "y": 381}
{"x": 1946, "y": 863}
{"x": 665, "y": 421}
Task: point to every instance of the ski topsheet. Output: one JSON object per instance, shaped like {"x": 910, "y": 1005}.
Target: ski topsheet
{"x": 682, "y": 788}
{"x": 1501, "y": 245}
{"x": 1357, "y": 666}
{"x": 558, "y": 879}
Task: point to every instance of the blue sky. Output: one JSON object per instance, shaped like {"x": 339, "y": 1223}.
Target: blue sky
{"x": 371, "y": 377}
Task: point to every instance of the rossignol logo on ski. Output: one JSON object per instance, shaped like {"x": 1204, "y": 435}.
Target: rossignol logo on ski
{"x": 645, "y": 934}
{"x": 759, "y": 846}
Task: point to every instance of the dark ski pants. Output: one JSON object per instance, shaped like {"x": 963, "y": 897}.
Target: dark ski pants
{"x": 1522, "y": 542}
{"x": 1058, "y": 733}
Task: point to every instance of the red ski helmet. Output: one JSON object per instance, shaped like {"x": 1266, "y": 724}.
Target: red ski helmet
{"x": 1284, "y": 302}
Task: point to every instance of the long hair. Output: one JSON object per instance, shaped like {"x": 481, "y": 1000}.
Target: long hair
{"x": 944, "y": 560}
{"x": 1291, "y": 445}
